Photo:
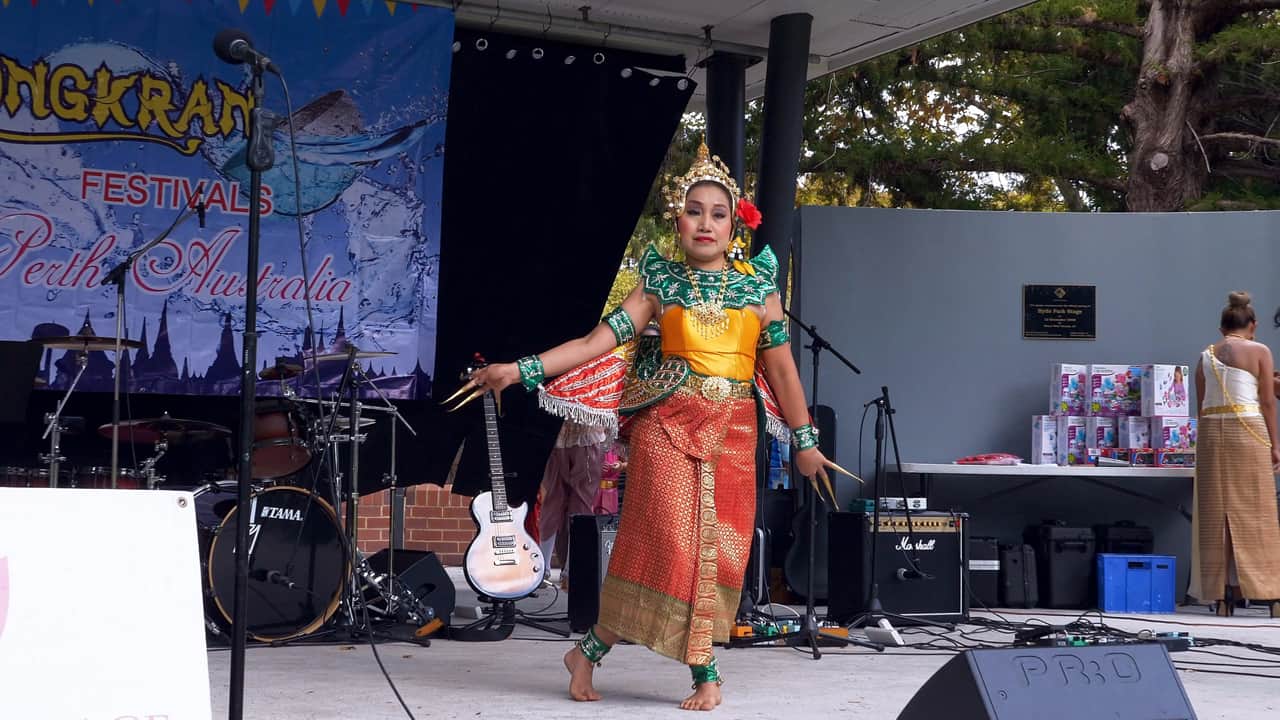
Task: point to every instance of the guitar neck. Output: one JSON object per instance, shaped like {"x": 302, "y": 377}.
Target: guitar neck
{"x": 497, "y": 478}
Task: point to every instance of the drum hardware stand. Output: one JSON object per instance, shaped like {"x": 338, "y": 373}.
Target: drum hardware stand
{"x": 54, "y": 427}
{"x": 389, "y": 601}
{"x": 149, "y": 465}
{"x": 404, "y": 603}
{"x": 391, "y": 476}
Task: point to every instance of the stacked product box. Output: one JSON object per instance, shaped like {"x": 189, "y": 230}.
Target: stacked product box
{"x": 1100, "y": 432}
{"x": 1134, "y": 413}
{"x": 1044, "y": 440}
{"x": 1133, "y": 432}
{"x": 1115, "y": 390}
{"x": 1073, "y": 440}
{"x": 1164, "y": 391}
{"x": 1166, "y": 400}
{"x": 1068, "y": 389}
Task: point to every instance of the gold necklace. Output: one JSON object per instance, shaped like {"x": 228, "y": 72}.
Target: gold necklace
{"x": 1237, "y": 336}
{"x": 708, "y": 316}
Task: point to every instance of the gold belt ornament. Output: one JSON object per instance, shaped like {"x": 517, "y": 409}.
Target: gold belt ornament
{"x": 716, "y": 389}
{"x": 1231, "y": 409}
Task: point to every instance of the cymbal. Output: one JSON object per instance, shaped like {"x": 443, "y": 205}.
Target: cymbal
{"x": 360, "y": 355}
{"x": 344, "y": 423}
{"x": 86, "y": 343}
{"x": 281, "y": 371}
{"x": 174, "y": 430}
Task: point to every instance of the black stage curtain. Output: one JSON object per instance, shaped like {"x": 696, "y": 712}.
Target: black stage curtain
{"x": 548, "y": 165}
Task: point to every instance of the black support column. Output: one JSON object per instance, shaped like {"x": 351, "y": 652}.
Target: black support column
{"x": 727, "y": 110}
{"x": 782, "y": 134}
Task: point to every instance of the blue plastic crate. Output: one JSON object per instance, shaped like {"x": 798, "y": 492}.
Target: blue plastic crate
{"x": 1136, "y": 583}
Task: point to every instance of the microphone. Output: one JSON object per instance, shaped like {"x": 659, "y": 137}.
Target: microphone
{"x": 235, "y": 47}
{"x": 905, "y": 574}
{"x": 273, "y": 576}
{"x": 200, "y": 212}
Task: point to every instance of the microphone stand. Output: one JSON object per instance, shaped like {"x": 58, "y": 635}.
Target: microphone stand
{"x": 810, "y": 632}
{"x": 116, "y": 276}
{"x": 259, "y": 156}
{"x": 875, "y": 615}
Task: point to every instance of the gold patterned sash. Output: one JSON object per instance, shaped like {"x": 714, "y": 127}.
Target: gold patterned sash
{"x": 1235, "y": 409}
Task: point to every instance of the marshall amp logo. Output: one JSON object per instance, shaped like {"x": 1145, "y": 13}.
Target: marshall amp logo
{"x": 906, "y": 544}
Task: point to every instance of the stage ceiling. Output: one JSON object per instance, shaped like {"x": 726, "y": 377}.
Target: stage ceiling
{"x": 845, "y": 32}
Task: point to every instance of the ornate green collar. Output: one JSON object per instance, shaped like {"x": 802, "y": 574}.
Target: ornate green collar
{"x": 669, "y": 281}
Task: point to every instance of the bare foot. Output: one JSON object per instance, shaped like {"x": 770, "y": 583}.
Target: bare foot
{"x": 705, "y": 697}
{"x": 580, "y": 669}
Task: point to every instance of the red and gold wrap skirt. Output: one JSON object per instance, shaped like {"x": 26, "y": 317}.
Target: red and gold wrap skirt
{"x": 675, "y": 574}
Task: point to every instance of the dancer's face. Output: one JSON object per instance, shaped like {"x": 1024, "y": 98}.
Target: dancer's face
{"x": 706, "y": 224}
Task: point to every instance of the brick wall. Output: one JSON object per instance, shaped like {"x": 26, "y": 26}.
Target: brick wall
{"x": 435, "y": 519}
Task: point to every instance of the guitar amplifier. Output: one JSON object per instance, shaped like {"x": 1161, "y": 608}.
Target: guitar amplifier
{"x": 590, "y": 544}
{"x": 921, "y": 572}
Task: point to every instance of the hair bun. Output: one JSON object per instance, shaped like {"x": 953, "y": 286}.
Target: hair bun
{"x": 1239, "y": 298}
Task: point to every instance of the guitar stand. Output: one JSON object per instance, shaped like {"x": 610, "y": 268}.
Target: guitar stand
{"x": 505, "y": 616}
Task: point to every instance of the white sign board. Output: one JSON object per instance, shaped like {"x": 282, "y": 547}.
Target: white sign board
{"x": 100, "y": 606}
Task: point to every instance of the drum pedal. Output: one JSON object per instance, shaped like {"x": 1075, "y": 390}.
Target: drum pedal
{"x": 429, "y": 628}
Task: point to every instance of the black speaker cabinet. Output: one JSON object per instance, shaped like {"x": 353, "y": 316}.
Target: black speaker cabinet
{"x": 932, "y": 590}
{"x": 590, "y": 544}
{"x": 423, "y": 574}
{"x": 1055, "y": 683}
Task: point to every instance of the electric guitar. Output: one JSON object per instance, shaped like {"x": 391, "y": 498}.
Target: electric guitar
{"x": 503, "y": 562}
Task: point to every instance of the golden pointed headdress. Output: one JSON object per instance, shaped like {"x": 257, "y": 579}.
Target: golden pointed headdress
{"x": 706, "y": 168}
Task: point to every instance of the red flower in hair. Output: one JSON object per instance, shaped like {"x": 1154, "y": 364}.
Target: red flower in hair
{"x": 748, "y": 214}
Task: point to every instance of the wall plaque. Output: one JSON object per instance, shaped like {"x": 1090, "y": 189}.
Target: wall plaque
{"x": 1060, "y": 312}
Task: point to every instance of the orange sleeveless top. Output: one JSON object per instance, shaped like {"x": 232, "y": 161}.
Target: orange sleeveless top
{"x": 731, "y": 355}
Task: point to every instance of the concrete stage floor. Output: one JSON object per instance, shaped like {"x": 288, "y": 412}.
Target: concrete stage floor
{"x": 523, "y": 677}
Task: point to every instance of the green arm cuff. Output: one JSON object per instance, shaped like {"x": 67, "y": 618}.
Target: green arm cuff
{"x": 774, "y": 335}
{"x": 531, "y": 372}
{"x": 624, "y": 331}
{"x": 804, "y": 437}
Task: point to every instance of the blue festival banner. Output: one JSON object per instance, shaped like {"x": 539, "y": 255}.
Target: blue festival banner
{"x": 117, "y": 116}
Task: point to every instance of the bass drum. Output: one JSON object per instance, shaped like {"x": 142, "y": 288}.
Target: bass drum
{"x": 297, "y": 565}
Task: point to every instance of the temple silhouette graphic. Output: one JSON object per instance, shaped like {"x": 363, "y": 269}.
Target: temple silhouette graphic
{"x": 153, "y": 368}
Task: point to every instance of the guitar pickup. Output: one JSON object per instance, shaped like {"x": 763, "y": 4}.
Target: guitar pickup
{"x": 504, "y": 541}
{"x": 499, "y": 517}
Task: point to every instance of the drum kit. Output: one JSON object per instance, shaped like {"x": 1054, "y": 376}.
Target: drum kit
{"x": 305, "y": 569}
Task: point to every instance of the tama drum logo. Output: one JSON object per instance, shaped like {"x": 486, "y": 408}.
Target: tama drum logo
{"x": 906, "y": 544}
{"x": 278, "y": 513}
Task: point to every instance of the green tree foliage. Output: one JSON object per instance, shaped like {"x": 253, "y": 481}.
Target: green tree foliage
{"x": 1062, "y": 105}
{"x": 1043, "y": 109}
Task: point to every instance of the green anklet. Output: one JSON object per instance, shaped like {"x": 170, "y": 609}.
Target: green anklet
{"x": 706, "y": 673}
{"x": 593, "y": 647}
